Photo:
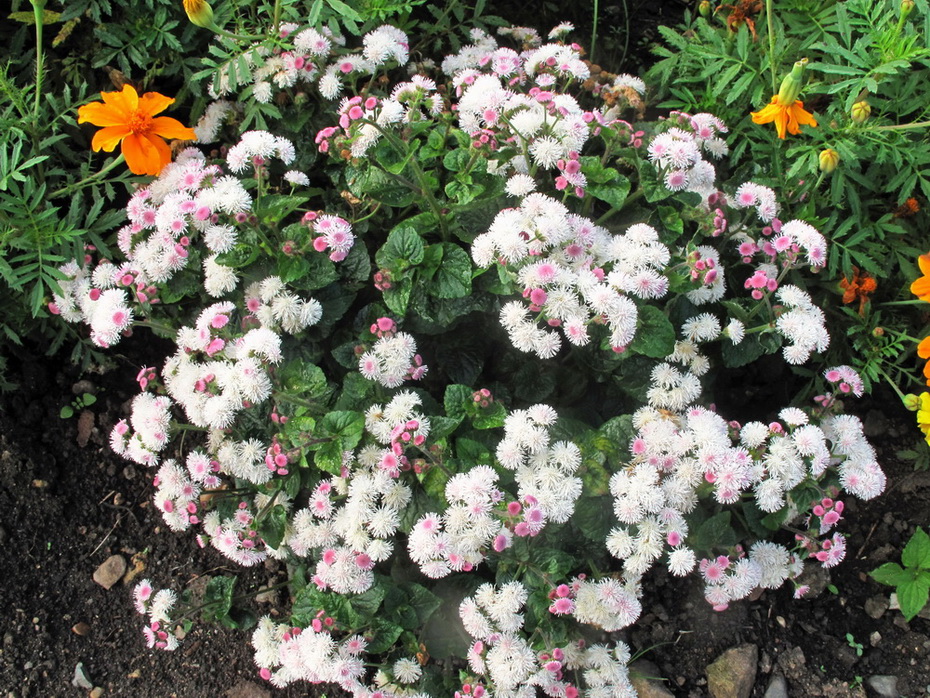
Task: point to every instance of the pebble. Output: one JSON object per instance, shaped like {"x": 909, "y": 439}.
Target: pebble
{"x": 80, "y": 679}
{"x": 110, "y": 572}
{"x": 875, "y": 638}
{"x": 83, "y": 386}
{"x": 96, "y": 693}
{"x": 777, "y": 688}
{"x": 247, "y": 689}
{"x": 644, "y": 675}
{"x": 129, "y": 472}
{"x": 81, "y": 628}
{"x": 884, "y": 686}
{"x": 733, "y": 673}
{"x": 875, "y": 606}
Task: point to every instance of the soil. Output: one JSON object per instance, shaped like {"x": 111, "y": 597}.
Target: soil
{"x": 67, "y": 504}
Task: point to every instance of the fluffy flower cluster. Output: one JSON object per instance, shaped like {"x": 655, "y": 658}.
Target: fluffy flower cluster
{"x": 768, "y": 566}
{"x": 104, "y": 308}
{"x": 256, "y": 148}
{"x": 575, "y": 274}
{"x": 285, "y": 655}
{"x": 150, "y": 421}
{"x": 510, "y": 667}
{"x": 392, "y": 360}
{"x": 459, "y": 538}
{"x": 802, "y": 324}
{"x": 277, "y": 309}
{"x": 606, "y": 603}
{"x": 215, "y": 374}
{"x": 678, "y": 153}
{"x": 352, "y": 521}
{"x": 158, "y": 607}
{"x": 544, "y": 472}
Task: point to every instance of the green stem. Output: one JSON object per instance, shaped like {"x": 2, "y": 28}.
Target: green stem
{"x": 902, "y": 127}
{"x": 915, "y": 301}
{"x": 594, "y": 30}
{"x": 89, "y": 179}
{"x": 893, "y": 384}
{"x": 156, "y": 326}
{"x": 277, "y": 16}
{"x": 188, "y": 427}
{"x": 38, "y": 10}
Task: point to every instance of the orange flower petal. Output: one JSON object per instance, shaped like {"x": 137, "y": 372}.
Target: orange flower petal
{"x": 921, "y": 288}
{"x": 166, "y": 127}
{"x": 100, "y": 114}
{"x": 153, "y": 103}
{"x": 108, "y": 138}
{"x": 145, "y": 156}
{"x": 125, "y": 102}
{"x": 923, "y": 349}
{"x": 923, "y": 261}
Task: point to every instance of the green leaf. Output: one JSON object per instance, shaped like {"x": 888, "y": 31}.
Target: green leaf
{"x": 917, "y": 551}
{"x": 891, "y": 573}
{"x": 422, "y": 600}
{"x": 457, "y": 399}
{"x": 384, "y": 635}
{"x": 345, "y": 11}
{"x": 614, "y": 192}
{"x": 715, "y": 532}
{"x": 490, "y": 417}
{"x": 346, "y": 425}
{"x": 655, "y": 334}
{"x": 912, "y": 596}
{"x": 403, "y": 248}
{"x": 66, "y": 412}
{"x": 272, "y": 526}
{"x": 368, "y": 603}
{"x": 556, "y": 563}
{"x": 217, "y": 598}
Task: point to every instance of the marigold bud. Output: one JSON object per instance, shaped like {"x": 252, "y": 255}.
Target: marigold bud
{"x": 906, "y": 7}
{"x": 878, "y": 331}
{"x": 199, "y": 12}
{"x": 911, "y": 402}
{"x": 860, "y": 111}
{"x": 704, "y": 8}
{"x": 829, "y": 159}
{"x": 791, "y": 85}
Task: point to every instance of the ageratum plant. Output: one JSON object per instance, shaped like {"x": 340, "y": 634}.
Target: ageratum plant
{"x": 452, "y": 368}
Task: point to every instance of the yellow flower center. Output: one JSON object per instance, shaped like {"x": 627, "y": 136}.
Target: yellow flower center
{"x": 140, "y": 122}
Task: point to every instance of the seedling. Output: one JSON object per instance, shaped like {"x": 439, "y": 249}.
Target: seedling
{"x": 912, "y": 580}
{"x": 77, "y": 404}
{"x": 851, "y": 641}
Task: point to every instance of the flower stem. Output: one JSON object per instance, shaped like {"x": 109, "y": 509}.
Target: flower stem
{"x": 38, "y": 10}
{"x": 89, "y": 179}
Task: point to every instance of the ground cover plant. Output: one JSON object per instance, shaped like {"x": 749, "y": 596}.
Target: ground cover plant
{"x": 446, "y": 343}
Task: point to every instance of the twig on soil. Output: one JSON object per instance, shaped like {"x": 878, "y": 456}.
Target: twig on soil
{"x": 867, "y": 539}
{"x": 109, "y": 533}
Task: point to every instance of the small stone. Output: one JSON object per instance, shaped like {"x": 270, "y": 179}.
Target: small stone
{"x": 118, "y": 499}
{"x": 96, "y": 692}
{"x": 247, "y": 689}
{"x": 85, "y": 427}
{"x": 82, "y": 387}
{"x": 875, "y": 638}
{"x": 781, "y": 621}
{"x": 732, "y": 674}
{"x": 81, "y": 629}
{"x": 875, "y": 606}
{"x": 266, "y": 595}
{"x": 129, "y": 472}
{"x": 884, "y": 686}
{"x": 80, "y": 679}
{"x": 134, "y": 675}
{"x": 646, "y": 679}
{"x": 39, "y": 484}
{"x": 110, "y": 572}
{"x": 777, "y": 688}
{"x": 817, "y": 577}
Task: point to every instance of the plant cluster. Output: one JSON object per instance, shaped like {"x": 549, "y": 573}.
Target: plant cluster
{"x": 449, "y": 358}
{"x": 857, "y": 171}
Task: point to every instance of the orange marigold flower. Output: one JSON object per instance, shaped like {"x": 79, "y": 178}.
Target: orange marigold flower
{"x": 860, "y": 287}
{"x": 129, "y": 119}
{"x": 921, "y": 287}
{"x": 788, "y": 117}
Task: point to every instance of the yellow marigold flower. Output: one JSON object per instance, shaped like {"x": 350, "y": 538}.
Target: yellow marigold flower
{"x": 921, "y": 287}
{"x": 785, "y": 109}
{"x": 199, "y": 12}
{"x": 923, "y": 415}
{"x": 128, "y": 119}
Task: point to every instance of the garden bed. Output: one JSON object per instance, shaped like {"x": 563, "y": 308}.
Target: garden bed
{"x": 67, "y": 507}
